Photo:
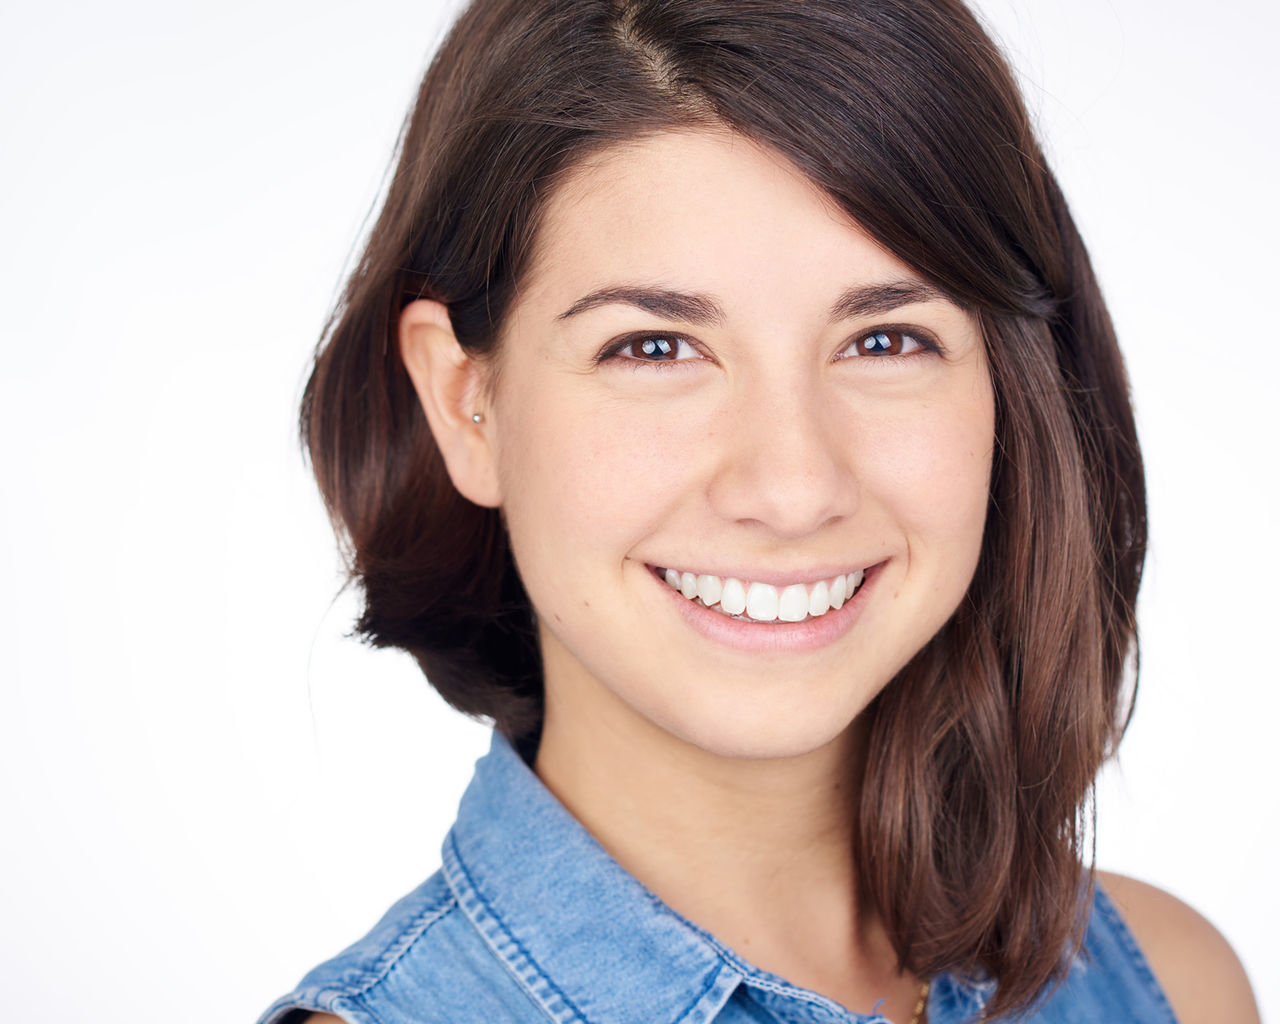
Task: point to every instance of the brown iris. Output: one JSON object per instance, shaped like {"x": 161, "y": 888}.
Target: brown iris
{"x": 882, "y": 343}
{"x": 652, "y": 349}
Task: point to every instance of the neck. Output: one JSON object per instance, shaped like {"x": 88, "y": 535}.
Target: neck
{"x": 758, "y": 852}
{"x": 664, "y": 802}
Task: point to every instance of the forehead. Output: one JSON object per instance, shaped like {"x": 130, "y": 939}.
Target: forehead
{"x": 709, "y": 211}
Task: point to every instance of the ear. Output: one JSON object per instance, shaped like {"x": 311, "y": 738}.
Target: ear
{"x": 449, "y": 384}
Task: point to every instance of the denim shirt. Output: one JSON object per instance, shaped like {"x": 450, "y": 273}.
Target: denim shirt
{"x": 529, "y": 920}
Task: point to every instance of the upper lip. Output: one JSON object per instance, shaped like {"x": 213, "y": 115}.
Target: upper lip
{"x": 773, "y": 577}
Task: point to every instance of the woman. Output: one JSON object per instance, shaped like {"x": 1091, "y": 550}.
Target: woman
{"x": 725, "y": 406}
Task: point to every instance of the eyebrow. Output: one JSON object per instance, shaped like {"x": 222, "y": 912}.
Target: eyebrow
{"x": 703, "y": 310}
{"x": 673, "y": 305}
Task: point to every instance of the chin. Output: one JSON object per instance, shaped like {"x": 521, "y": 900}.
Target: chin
{"x": 764, "y": 729}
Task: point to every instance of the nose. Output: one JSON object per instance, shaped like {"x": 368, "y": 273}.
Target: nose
{"x": 786, "y": 462}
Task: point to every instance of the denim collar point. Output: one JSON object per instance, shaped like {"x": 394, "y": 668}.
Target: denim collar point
{"x": 523, "y": 869}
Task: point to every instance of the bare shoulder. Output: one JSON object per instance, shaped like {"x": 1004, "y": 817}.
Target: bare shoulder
{"x": 1196, "y": 967}
{"x": 322, "y": 1018}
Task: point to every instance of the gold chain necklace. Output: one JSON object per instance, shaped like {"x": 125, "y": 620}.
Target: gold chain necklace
{"x": 924, "y": 997}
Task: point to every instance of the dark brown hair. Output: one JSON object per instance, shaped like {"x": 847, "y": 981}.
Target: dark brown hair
{"x": 983, "y": 751}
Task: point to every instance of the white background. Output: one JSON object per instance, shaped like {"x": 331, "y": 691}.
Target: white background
{"x": 205, "y": 788}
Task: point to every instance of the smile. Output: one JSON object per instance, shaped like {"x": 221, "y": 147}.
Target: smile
{"x": 750, "y": 601}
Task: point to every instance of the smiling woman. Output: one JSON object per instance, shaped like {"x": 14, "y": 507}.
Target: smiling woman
{"x": 725, "y": 407}
{"x": 796, "y": 451}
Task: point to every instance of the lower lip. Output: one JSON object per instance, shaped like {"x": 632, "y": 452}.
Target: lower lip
{"x": 765, "y": 637}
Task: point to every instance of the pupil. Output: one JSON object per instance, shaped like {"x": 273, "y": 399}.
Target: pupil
{"x": 655, "y": 347}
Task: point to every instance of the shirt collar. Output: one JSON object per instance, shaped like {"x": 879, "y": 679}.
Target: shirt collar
{"x": 584, "y": 938}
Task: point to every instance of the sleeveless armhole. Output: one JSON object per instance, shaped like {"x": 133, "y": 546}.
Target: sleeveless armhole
{"x": 299, "y": 1014}
{"x": 340, "y": 985}
{"x": 1109, "y": 940}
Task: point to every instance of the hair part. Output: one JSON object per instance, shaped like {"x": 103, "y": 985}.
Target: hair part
{"x": 983, "y": 751}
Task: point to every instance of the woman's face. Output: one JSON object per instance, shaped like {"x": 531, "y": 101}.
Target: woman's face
{"x": 711, "y": 369}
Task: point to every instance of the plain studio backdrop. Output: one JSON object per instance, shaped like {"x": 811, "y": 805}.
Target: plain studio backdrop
{"x": 206, "y": 787}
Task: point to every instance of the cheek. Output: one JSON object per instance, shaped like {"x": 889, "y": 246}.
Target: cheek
{"x": 932, "y": 469}
{"x": 588, "y": 472}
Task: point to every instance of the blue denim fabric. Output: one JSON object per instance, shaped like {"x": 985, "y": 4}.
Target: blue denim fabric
{"x": 529, "y": 920}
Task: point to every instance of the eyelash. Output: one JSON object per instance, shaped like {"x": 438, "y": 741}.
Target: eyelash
{"x": 614, "y": 352}
{"x": 924, "y": 341}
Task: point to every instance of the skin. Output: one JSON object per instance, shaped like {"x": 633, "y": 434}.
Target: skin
{"x": 769, "y": 448}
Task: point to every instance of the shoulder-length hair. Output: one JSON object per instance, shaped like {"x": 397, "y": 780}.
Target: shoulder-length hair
{"x": 979, "y": 771}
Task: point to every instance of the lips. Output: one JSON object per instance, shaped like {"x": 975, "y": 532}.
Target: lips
{"x": 754, "y": 601}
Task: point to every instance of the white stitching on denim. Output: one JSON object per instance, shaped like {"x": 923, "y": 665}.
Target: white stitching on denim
{"x": 408, "y": 936}
{"x": 477, "y": 910}
{"x": 1138, "y": 960}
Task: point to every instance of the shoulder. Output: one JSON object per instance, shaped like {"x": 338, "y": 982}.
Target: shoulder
{"x": 406, "y": 944}
{"x": 425, "y": 962}
{"x": 1198, "y": 970}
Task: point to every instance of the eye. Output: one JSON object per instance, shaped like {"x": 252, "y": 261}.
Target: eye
{"x": 886, "y": 343}
{"x": 653, "y": 348}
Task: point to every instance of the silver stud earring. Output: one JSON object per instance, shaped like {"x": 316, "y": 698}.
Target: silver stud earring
{"x": 477, "y": 417}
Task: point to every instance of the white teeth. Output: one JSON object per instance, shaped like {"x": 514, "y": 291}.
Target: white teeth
{"x": 733, "y": 598}
{"x": 709, "y": 589}
{"x": 837, "y": 586}
{"x": 793, "y": 604}
{"x": 820, "y": 599}
{"x": 762, "y": 602}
